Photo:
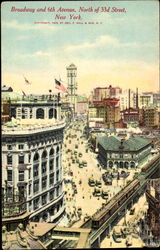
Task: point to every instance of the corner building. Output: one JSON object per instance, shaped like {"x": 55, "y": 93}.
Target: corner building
{"x": 129, "y": 153}
{"x": 32, "y": 166}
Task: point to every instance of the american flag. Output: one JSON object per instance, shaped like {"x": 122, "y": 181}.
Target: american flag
{"x": 60, "y": 86}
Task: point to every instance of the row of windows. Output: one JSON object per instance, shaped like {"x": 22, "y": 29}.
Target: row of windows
{"x": 36, "y": 184}
{"x": 21, "y": 157}
{"x": 10, "y": 147}
{"x": 44, "y": 167}
{"x": 36, "y": 202}
{"x": 44, "y": 154}
{"x": 10, "y": 175}
{"x": 10, "y": 159}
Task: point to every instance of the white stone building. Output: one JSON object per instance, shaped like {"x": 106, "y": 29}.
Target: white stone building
{"x": 32, "y": 166}
{"x": 36, "y": 109}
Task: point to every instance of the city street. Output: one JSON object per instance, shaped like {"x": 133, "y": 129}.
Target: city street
{"x": 80, "y": 202}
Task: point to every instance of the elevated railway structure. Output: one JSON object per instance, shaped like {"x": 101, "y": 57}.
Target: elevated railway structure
{"x": 108, "y": 215}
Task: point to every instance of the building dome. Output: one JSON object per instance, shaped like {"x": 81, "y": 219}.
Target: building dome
{"x": 71, "y": 66}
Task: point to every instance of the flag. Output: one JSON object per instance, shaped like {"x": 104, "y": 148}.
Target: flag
{"x": 26, "y": 81}
{"x": 23, "y": 93}
{"x": 60, "y": 86}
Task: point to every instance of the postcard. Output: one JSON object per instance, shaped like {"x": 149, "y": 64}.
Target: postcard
{"x": 80, "y": 124}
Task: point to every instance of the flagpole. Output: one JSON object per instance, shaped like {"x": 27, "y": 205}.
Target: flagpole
{"x": 53, "y": 106}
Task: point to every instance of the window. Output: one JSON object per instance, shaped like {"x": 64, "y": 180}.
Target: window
{"x": 44, "y": 199}
{"x": 51, "y": 153}
{"x": 9, "y": 147}
{"x": 51, "y": 179}
{"x": 57, "y": 176}
{"x": 20, "y": 146}
{"x": 35, "y": 171}
{"x": 36, "y": 157}
{"x": 44, "y": 182}
{"x": 51, "y": 195}
{"x": 9, "y": 175}
{"x": 57, "y": 160}
{"x": 57, "y": 191}
{"x": 29, "y": 188}
{"x": 51, "y": 165}
{"x": 36, "y": 203}
{"x": 21, "y": 175}
{"x": 21, "y": 159}
{"x": 44, "y": 155}
{"x": 29, "y": 158}
{"x": 29, "y": 174}
{"x": 9, "y": 192}
{"x": 44, "y": 167}
{"x": 36, "y": 186}
{"x": 9, "y": 159}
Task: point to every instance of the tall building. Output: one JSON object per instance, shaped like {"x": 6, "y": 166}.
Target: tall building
{"x": 147, "y": 99}
{"x": 126, "y": 99}
{"x": 150, "y": 117}
{"x": 32, "y": 166}
{"x": 72, "y": 86}
{"x": 100, "y": 93}
{"x": 108, "y": 110}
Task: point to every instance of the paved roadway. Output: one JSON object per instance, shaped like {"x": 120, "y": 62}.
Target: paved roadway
{"x": 84, "y": 198}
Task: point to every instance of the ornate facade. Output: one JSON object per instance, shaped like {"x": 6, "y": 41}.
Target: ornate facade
{"x": 114, "y": 151}
{"x": 32, "y": 166}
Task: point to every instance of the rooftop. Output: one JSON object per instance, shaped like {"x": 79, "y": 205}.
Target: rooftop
{"x": 114, "y": 142}
{"x": 24, "y": 126}
{"x": 41, "y": 228}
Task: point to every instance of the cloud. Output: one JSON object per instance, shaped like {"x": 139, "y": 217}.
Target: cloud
{"x": 105, "y": 40}
{"x": 90, "y": 74}
{"x": 36, "y": 54}
{"x": 97, "y": 43}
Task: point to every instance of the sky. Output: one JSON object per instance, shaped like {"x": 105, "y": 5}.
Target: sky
{"x": 108, "y": 48}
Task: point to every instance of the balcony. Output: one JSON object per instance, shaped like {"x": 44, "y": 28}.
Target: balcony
{"x": 13, "y": 207}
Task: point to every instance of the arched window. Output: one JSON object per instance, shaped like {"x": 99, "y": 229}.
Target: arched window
{"x": 110, "y": 164}
{"x": 126, "y": 164}
{"x": 40, "y": 113}
{"x": 132, "y": 164}
{"x": 44, "y": 154}
{"x": 36, "y": 157}
{"x": 57, "y": 150}
{"x": 52, "y": 113}
{"x": 51, "y": 152}
{"x": 55, "y": 114}
{"x": 121, "y": 164}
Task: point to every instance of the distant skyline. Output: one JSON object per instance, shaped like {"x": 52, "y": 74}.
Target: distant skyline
{"x": 122, "y": 51}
